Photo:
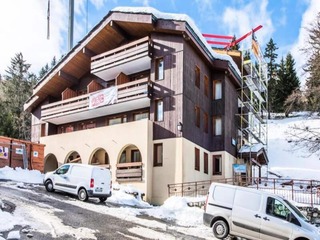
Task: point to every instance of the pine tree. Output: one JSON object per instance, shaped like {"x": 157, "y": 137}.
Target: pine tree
{"x": 287, "y": 83}
{"x": 271, "y": 57}
{"x": 16, "y": 89}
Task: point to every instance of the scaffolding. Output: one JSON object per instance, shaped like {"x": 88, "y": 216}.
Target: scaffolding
{"x": 253, "y": 102}
{"x": 252, "y": 98}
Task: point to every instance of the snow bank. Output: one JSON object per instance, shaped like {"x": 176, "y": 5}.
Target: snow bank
{"x": 21, "y": 175}
{"x": 177, "y": 209}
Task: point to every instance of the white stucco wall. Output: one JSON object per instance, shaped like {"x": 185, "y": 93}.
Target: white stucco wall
{"x": 111, "y": 138}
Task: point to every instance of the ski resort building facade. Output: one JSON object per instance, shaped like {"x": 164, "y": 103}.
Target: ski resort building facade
{"x": 144, "y": 95}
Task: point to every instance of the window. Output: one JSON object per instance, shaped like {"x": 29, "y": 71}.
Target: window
{"x": 123, "y": 157}
{"x": 139, "y": 116}
{"x": 43, "y": 129}
{"x": 277, "y": 208}
{"x": 217, "y": 90}
{"x": 205, "y": 162}
{"x": 217, "y": 126}
{"x": 117, "y": 120}
{"x": 197, "y": 116}
{"x": 69, "y": 128}
{"x": 159, "y": 110}
{"x": 206, "y": 122}
{"x": 135, "y": 156}
{"x": 114, "y": 121}
{"x": 197, "y": 77}
{"x": 157, "y": 155}
{"x": 216, "y": 164}
{"x": 63, "y": 169}
{"x": 196, "y": 159}
{"x": 206, "y": 86}
{"x": 159, "y": 69}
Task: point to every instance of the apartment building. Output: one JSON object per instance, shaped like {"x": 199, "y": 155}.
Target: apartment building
{"x": 144, "y": 95}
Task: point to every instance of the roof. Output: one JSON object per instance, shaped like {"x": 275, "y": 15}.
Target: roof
{"x": 179, "y": 17}
{"x": 256, "y": 152}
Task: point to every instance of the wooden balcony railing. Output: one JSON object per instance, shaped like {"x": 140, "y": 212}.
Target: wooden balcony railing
{"x": 126, "y": 92}
{"x": 128, "y": 53}
{"x": 128, "y": 172}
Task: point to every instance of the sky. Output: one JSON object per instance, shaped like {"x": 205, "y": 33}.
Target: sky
{"x": 24, "y": 24}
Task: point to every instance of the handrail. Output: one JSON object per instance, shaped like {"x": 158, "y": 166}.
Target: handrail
{"x": 130, "y": 164}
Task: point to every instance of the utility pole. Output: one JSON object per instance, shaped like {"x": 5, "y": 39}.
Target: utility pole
{"x": 70, "y": 29}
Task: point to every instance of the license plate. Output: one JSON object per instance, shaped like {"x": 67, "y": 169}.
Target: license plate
{"x": 98, "y": 189}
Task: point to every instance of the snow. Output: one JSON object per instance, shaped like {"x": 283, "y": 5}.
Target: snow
{"x": 179, "y": 17}
{"x": 282, "y": 160}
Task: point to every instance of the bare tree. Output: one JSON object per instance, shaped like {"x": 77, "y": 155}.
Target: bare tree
{"x": 305, "y": 137}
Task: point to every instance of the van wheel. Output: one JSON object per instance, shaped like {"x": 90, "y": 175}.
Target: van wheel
{"x": 83, "y": 195}
{"x": 220, "y": 229}
{"x": 49, "y": 186}
{"x": 102, "y": 199}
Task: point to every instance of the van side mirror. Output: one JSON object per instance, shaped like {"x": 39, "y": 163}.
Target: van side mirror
{"x": 289, "y": 217}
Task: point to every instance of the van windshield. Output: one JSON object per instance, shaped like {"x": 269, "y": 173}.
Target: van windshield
{"x": 296, "y": 210}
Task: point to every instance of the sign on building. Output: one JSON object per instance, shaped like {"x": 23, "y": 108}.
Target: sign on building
{"x": 104, "y": 97}
{"x": 4, "y": 152}
{"x": 19, "y": 151}
{"x": 239, "y": 168}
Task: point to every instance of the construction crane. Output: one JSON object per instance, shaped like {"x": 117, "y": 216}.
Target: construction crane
{"x": 232, "y": 41}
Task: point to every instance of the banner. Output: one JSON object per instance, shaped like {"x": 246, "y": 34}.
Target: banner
{"x": 104, "y": 97}
{"x": 4, "y": 152}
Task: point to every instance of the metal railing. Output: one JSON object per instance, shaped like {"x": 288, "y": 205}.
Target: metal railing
{"x": 300, "y": 191}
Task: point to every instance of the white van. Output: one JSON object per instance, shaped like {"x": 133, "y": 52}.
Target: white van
{"x": 254, "y": 214}
{"x": 80, "y": 179}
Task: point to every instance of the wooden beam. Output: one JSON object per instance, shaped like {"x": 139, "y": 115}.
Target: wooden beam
{"x": 68, "y": 77}
{"x": 88, "y": 52}
{"x": 119, "y": 30}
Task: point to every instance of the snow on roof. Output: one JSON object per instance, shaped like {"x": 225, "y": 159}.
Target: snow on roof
{"x": 179, "y": 17}
{"x": 253, "y": 148}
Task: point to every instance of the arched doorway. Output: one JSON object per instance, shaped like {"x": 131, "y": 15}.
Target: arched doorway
{"x": 99, "y": 157}
{"x": 129, "y": 167}
{"x": 50, "y": 163}
{"x": 73, "y": 157}
{"x": 129, "y": 154}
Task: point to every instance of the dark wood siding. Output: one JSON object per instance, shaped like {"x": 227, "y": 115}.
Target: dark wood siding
{"x": 194, "y": 97}
{"x": 170, "y": 88}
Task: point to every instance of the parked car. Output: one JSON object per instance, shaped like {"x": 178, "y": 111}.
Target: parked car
{"x": 82, "y": 180}
{"x": 254, "y": 214}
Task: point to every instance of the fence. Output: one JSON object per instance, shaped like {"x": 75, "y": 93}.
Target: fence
{"x": 300, "y": 191}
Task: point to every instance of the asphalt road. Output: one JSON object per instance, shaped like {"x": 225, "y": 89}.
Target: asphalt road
{"x": 73, "y": 218}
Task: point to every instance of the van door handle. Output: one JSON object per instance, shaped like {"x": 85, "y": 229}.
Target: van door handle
{"x": 266, "y": 219}
{"x": 257, "y": 216}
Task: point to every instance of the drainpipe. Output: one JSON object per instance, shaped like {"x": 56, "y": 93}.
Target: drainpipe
{"x": 70, "y": 30}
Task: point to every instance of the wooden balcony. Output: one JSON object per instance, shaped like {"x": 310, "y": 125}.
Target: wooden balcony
{"x": 130, "y": 58}
{"x": 130, "y": 96}
{"x": 129, "y": 172}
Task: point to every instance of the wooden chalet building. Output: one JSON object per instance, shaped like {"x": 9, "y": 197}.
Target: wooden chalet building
{"x": 144, "y": 95}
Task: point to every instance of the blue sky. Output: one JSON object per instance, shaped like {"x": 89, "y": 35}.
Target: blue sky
{"x": 23, "y": 23}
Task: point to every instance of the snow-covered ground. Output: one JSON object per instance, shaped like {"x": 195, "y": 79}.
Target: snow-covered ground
{"x": 175, "y": 208}
{"x": 289, "y": 163}
{"x": 284, "y": 161}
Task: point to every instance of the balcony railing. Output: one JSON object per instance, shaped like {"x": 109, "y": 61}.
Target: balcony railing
{"x": 128, "y": 92}
{"x": 130, "y": 58}
{"x": 128, "y": 172}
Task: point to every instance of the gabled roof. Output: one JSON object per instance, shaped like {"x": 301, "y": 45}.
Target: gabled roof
{"x": 120, "y": 25}
{"x": 256, "y": 153}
